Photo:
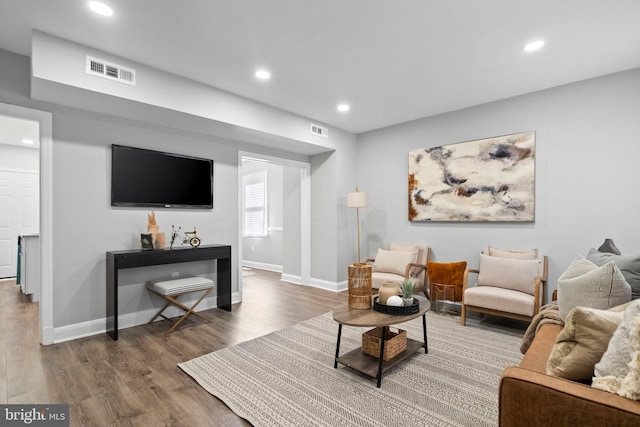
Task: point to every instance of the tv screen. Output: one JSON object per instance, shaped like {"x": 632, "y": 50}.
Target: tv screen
{"x": 148, "y": 178}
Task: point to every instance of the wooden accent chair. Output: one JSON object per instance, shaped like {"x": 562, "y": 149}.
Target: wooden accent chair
{"x": 401, "y": 261}
{"x": 170, "y": 290}
{"x": 509, "y": 284}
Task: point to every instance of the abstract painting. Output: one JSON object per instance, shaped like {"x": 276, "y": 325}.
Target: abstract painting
{"x": 489, "y": 179}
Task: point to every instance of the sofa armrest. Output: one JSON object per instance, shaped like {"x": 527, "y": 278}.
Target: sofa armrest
{"x": 542, "y": 400}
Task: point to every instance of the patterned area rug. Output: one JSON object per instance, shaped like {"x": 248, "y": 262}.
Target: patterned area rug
{"x": 287, "y": 378}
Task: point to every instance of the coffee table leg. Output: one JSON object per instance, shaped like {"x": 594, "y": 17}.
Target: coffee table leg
{"x": 335, "y": 362}
{"x": 380, "y": 360}
{"x": 424, "y": 332}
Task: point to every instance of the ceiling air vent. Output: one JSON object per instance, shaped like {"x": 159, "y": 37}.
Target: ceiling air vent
{"x": 108, "y": 70}
{"x": 319, "y": 131}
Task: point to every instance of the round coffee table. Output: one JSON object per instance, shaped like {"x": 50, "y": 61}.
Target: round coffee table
{"x": 376, "y": 366}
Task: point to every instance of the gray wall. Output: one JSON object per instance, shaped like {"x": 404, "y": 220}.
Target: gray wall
{"x": 587, "y": 174}
{"x": 85, "y": 226}
{"x": 291, "y": 260}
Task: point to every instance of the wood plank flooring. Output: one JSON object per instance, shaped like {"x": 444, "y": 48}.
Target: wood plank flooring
{"x": 135, "y": 381}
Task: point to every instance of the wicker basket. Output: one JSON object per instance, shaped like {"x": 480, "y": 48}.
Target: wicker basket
{"x": 395, "y": 343}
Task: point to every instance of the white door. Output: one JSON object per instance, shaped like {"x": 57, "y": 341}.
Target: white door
{"x": 19, "y": 214}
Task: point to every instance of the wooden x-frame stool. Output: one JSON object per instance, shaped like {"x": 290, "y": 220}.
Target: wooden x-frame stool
{"x": 170, "y": 290}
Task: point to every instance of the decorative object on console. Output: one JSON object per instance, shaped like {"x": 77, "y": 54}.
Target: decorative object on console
{"x": 146, "y": 241}
{"x": 190, "y": 237}
{"x": 159, "y": 240}
{"x": 359, "y": 273}
{"x": 489, "y": 179}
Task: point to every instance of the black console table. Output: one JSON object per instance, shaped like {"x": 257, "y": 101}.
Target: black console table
{"x": 118, "y": 260}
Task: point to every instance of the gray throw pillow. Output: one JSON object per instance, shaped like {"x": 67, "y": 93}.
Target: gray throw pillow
{"x": 629, "y": 265}
{"x": 585, "y": 284}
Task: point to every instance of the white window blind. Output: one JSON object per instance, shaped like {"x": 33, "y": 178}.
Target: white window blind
{"x": 255, "y": 204}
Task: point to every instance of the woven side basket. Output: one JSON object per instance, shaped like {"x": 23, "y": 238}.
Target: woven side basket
{"x": 395, "y": 343}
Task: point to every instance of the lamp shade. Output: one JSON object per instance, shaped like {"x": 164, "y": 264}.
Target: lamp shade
{"x": 358, "y": 199}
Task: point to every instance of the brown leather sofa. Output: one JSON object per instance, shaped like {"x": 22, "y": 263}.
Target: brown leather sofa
{"x": 530, "y": 397}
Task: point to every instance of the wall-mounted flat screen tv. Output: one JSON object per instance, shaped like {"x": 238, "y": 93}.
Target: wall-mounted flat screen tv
{"x": 148, "y": 178}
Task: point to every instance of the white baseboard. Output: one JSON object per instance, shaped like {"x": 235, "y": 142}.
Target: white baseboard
{"x": 262, "y": 266}
{"x": 290, "y": 278}
{"x": 98, "y": 326}
{"x": 328, "y": 285}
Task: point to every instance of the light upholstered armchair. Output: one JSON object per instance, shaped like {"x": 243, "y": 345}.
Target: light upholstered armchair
{"x": 509, "y": 284}
{"x": 401, "y": 262}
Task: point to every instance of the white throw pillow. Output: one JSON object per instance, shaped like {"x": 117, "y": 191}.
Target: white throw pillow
{"x": 515, "y": 274}
{"x": 585, "y": 284}
{"x": 393, "y": 261}
{"x": 619, "y": 369}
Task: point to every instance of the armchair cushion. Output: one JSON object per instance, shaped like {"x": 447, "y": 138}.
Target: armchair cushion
{"x": 393, "y": 261}
{"x": 514, "y": 274}
{"x": 502, "y": 253}
{"x": 585, "y": 284}
{"x": 500, "y": 299}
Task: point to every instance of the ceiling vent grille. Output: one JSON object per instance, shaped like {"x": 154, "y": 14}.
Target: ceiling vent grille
{"x": 108, "y": 70}
{"x": 319, "y": 131}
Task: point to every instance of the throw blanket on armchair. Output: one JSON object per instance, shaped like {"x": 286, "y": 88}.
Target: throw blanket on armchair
{"x": 548, "y": 314}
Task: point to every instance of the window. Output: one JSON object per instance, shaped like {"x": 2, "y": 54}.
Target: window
{"x": 254, "y": 187}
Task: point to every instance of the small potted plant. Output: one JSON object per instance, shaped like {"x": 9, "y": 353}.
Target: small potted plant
{"x": 407, "y": 291}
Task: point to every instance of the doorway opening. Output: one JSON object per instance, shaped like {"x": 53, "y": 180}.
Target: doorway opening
{"x": 274, "y": 217}
{"x": 34, "y": 197}
{"x": 20, "y": 202}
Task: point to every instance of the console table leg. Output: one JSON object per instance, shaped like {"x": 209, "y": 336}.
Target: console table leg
{"x": 424, "y": 332}
{"x": 381, "y": 359}
{"x": 335, "y": 362}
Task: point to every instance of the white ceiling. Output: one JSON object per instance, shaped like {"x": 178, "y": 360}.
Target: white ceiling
{"x": 392, "y": 61}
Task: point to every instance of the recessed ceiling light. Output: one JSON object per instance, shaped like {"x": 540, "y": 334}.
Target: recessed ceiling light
{"x": 343, "y": 108}
{"x": 535, "y": 45}
{"x": 27, "y": 141}
{"x": 263, "y": 74}
{"x": 100, "y": 8}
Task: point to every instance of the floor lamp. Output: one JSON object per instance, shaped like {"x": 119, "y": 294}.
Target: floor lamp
{"x": 359, "y": 273}
{"x": 358, "y": 199}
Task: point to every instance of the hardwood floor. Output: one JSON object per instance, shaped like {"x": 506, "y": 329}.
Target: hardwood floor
{"x": 135, "y": 381}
